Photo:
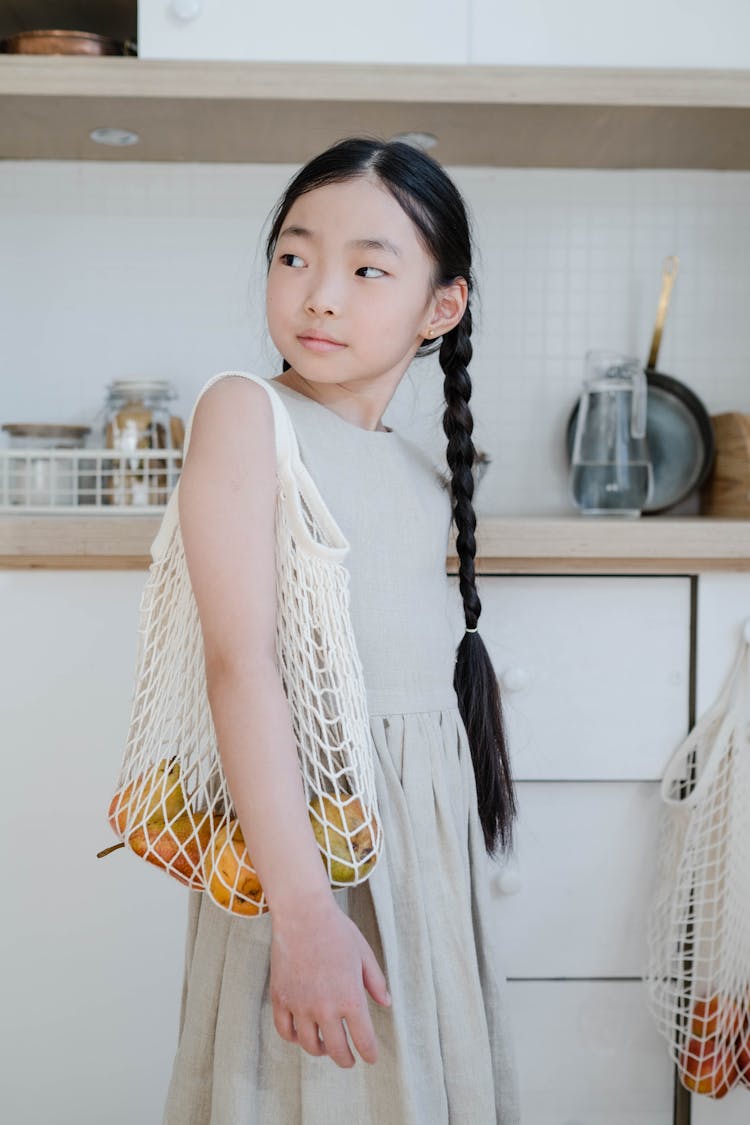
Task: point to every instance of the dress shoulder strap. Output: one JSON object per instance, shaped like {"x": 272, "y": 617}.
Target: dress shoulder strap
{"x": 315, "y": 528}
{"x": 287, "y": 450}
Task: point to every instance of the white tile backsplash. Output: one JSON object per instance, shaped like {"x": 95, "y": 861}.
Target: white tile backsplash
{"x": 116, "y": 269}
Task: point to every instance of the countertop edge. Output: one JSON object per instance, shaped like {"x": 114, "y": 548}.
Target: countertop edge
{"x": 504, "y": 544}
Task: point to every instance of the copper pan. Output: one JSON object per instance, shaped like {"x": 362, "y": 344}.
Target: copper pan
{"x": 63, "y": 42}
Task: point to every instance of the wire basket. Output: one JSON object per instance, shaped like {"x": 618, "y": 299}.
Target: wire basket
{"x": 87, "y": 480}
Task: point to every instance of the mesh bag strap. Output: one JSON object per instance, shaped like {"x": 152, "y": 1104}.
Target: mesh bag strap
{"x": 703, "y": 746}
{"x": 291, "y": 471}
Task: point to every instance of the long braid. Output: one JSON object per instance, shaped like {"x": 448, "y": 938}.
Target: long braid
{"x": 432, "y": 201}
{"x": 474, "y": 677}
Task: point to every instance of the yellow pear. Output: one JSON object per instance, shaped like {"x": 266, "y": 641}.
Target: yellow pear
{"x": 178, "y": 846}
{"x": 154, "y": 795}
{"x": 353, "y": 858}
{"x": 229, "y": 873}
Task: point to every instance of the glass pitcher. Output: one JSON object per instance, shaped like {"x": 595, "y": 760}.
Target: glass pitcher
{"x": 611, "y": 471}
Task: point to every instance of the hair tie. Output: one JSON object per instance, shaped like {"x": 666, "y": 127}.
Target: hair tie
{"x": 472, "y": 630}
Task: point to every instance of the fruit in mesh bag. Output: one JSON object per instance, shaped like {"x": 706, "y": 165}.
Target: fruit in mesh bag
{"x": 228, "y": 872}
{"x": 152, "y": 794}
{"x": 177, "y": 846}
{"x": 742, "y": 1044}
{"x": 358, "y": 848}
{"x": 743, "y": 1054}
{"x": 706, "y": 1067}
{"x": 716, "y": 1016}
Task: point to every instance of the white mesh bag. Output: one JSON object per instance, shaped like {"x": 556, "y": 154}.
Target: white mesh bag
{"x": 698, "y": 922}
{"x": 172, "y": 805}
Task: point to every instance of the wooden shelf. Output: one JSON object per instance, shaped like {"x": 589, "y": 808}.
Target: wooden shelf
{"x": 506, "y": 544}
{"x": 284, "y": 112}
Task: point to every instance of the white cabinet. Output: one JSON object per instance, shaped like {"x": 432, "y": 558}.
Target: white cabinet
{"x": 101, "y": 939}
{"x": 91, "y": 950}
{"x": 584, "y": 855}
{"x": 594, "y": 676}
{"x": 423, "y": 31}
{"x": 593, "y": 671}
{"x": 497, "y": 32}
{"x": 585, "y": 33}
{"x": 588, "y": 1055}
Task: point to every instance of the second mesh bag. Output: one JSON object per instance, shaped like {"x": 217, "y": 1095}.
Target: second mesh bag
{"x": 698, "y": 974}
{"x": 172, "y": 806}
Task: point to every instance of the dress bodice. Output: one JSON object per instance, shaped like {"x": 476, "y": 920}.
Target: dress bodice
{"x": 391, "y": 503}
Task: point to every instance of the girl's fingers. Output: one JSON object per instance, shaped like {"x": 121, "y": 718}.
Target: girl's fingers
{"x": 336, "y": 1043}
{"x": 284, "y": 1023}
{"x": 307, "y": 1037}
{"x": 360, "y": 1027}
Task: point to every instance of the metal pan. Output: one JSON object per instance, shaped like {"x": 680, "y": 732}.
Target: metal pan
{"x": 63, "y": 42}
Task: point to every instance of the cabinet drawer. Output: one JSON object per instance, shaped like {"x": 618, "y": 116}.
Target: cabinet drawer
{"x": 578, "y": 33}
{"x": 594, "y": 671}
{"x": 588, "y": 1054}
{"x": 388, "y": 32}
{"x": 723, "y": 608}
{"x": 734, "y": 1109}
{"x": 583, "y": 865}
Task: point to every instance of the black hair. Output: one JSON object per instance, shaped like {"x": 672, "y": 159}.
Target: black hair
{"x": 432, "y": 201}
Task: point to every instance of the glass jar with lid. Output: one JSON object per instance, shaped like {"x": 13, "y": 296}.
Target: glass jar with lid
{"x": 137, "y": 417}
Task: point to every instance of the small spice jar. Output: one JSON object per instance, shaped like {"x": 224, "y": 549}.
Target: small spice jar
{"x": 36, "y": 477}
{"x": 137, "y": 416}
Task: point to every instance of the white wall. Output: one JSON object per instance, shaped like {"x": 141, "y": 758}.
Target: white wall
{"x": 115, "y": 270}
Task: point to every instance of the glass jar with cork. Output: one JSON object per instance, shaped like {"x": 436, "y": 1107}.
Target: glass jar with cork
{"x": 137, "y": 421}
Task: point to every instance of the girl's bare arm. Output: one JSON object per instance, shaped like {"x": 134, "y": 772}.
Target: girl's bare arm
{"x": 226, "y": 505}
{"x": 320, "y": 962}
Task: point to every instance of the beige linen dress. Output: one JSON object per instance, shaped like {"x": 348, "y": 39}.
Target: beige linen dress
{"x": 445, "y": 1050}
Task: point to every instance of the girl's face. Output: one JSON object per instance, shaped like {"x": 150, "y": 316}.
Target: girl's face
{"x": 329, "y": 278}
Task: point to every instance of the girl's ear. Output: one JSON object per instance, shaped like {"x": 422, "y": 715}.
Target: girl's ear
{"x": 450, "y": 307}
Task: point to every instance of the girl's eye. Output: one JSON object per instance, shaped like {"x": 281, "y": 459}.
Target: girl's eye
{"x": 377, "y": 270}
{"x": 282, "y": 256}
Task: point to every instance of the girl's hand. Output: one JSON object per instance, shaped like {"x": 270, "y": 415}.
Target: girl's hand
{"x": 321, "y": 965}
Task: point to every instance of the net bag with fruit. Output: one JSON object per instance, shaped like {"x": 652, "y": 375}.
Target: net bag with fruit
{"x": 172, "y": 805}
{"x": 698, "y": 923}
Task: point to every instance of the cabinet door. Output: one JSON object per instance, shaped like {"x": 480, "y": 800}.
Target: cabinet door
{"x": 91, "y": 949}
{"x": 423, "y": 31}
{"x": 723, "y": 609}
{"x": 571, "y": 901}
{"x": 588, "y": 1054}
{"x": 580, "y": 33}
{"x": 593, "y": 671}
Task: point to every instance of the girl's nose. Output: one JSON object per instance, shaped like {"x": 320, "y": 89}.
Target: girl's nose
{"x": 324, "y": 297}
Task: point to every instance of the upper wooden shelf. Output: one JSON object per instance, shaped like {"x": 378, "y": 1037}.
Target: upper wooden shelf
{"x": 284, "y": 112}
{"x": 505, "y": 544}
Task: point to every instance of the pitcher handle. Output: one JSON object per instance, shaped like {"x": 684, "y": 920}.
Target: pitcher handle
{"x": 639, "y": 404}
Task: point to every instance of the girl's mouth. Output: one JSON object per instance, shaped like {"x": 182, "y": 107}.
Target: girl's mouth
{"x": 319, "y": 345}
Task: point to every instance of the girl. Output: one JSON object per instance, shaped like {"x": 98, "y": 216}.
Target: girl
{"x": 369, "y": 264}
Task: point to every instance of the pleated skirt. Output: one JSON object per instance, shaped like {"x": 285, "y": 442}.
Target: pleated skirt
{"x": 445, "y": 1049}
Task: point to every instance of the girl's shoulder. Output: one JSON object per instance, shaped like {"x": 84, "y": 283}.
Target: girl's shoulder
{"x": 227, "y": 384}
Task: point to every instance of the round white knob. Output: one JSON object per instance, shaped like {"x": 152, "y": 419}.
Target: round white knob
{"x": 508, "y": 882}
{"x": 508, "y": 879}
{"x": 514, "y": 679}
{"x": 186, "y": 9}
